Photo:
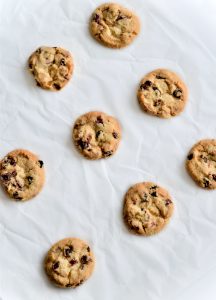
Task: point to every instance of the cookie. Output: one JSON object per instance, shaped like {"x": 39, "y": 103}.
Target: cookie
{"x": 201, "y": 163}
{"x": 96, "y": 135}
{"x": 22, "y": 174}
{"x": 52, "y": 67}
{"x": 147, "y": 208}
{"x": 162, "y": 93}
{"x": 69, "y": 262}
{"x": 114, "y": 26}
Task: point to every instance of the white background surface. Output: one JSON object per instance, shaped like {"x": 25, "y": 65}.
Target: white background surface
{"x": 83, "y": 198}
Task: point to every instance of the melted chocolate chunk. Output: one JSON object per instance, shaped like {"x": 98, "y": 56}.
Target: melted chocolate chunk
{"x": 206, "y": 182}
{"x": 96, "y": 18}
{"x": 157, "y": 102}
{"x": 73, "y": 262}
{"x": 57, "y": 86}
{"x": 107, "y": 153}
{"x": 6, "y": 177}
{"x": 68, "y": 250}
{"x": 177, "y": 93}
{"x": 41, "y": 163}
{"x": 62, "y": 62}
{"x": 160, "y": 77}
{"x": 214, "y": 177}
{"x": 154, "y": 194}
{"x": 88, "y": 249}
{"x": 115, "y": 135}
{"x": 83, "y": 145}
{"x": 84, "y": 260}
{"x": 55, "y": 265}
{"x": 190, "y": 156}
{"x": 98, "y": 133}
{"x": 30, "y": 179}
{"x": 167, "y": 202}
{"x": 99, "y": 120}
{"x": 146, "y": 85}
{"x": 11, "y": 161}
{"x": 16, "y": 196}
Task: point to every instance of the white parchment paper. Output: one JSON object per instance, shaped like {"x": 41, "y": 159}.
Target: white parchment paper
{"x": 83, "y": 198}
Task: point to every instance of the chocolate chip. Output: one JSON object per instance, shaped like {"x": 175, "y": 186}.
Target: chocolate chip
{"x": 155, "y": 88}
{"x": 120, "y": 18}
{"x": 81, "y": 281}
{"x": 190, "y": 156}
{"x": 6, "y": 177}
{"x": 115, "y": 135}
{"x": 205, "y": 159}
{"x": 157, "y": 102}
{"x": 107, "y": 153}
{"x": 160, "y": 77}
{"x": 84, "y": 260}
{"x": 153, "y": 187}
{"x": 206, "y": 182}
{"x": 214, "y": 177}
{"x": 96, "y": 18}
{"x": 145, "y": 85}
{"x": 88, "y": 249}
{"x": 135, "y": 228}
{"x": 38, "y": 83}
{"x": 16, "y": 196}
{"x": 144, "y": 198}
{"x": 38, "y": 50}
{"x": 133, "y": 201}
{"x": 99, "y": 120}
{"x": 167, "y": 202}
{"x": 14, "y": 173}
{"x": 62, "y": 62}
{"x": 98, "y": 133}
{"x": 41, "y": 163}
{"x": 30, "y": 179}
{"x": 55, "y": 265}
{"x": 83, "y": 145}
{"x": 57, "y": 86}
{"x": 30, "y": 65}
{"x": 73, "y": 262}
{"x": 68, "y": 250}
{"x": 154, "y": 194}
{"x": 10, "y": 160}
{"x": 177, "y": 93}
{"x": 68, "y": 285}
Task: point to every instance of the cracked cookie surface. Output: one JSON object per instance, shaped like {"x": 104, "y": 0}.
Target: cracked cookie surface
{"x": 201, "y": 163}
{"x": 96, "y": 135}
{"x": 69, "y": 262}
{"x": 162, "y": 93}
{"x": 22, "y": 174}
{"x": 147, "y": 208}
{"x": 114, "y": 26}
{"x": 52, "y": 67}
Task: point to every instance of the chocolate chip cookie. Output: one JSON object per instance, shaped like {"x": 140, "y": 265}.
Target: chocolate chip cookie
{"x": 147, "y": 208}
{"x": 22, "y": 174}
{"x": 162, "y": 93}
{"x": 114, "y": 26}
{"x": 96, "y": 135}
{"x": 201, "y": 163}
{"x": 52, "y": 67}
{"x": 69, "y": 263}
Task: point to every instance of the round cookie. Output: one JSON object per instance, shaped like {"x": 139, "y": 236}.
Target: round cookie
{"x": 114, "y": 26}
{"x": 147, "y": 208}
{"x": 201, "y": 163}
{"x": 162, "y": 93}
{"x": 52, "y": 67}
{"x": 69, "y": 262}
{"x": 22, "y": 174}
{"x": 96, "y": 135}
